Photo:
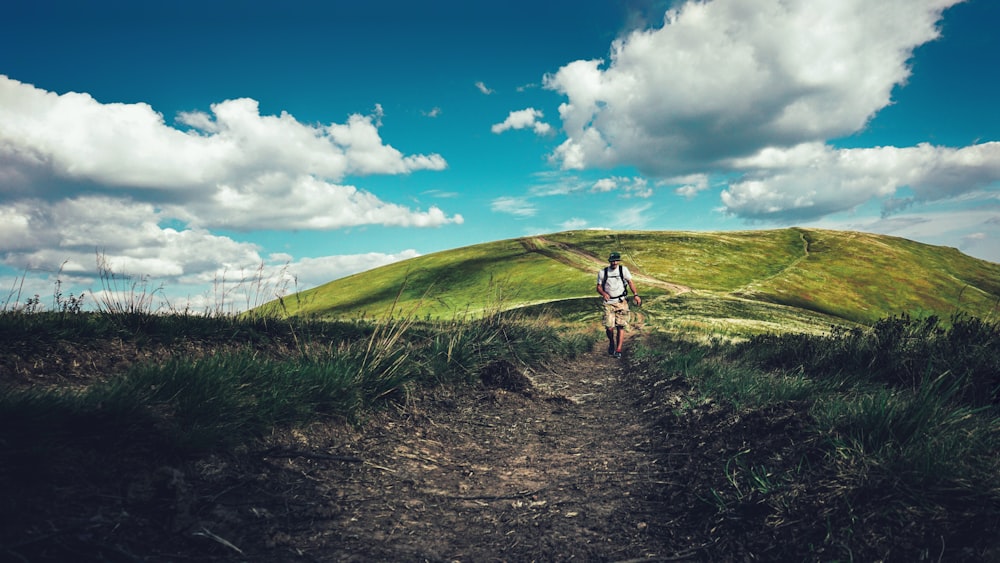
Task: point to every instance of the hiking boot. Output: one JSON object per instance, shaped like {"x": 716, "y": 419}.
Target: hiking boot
{"x": 617, "y": 354}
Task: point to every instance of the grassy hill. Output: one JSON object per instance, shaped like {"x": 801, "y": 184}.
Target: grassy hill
{"x": 729, "y": 282}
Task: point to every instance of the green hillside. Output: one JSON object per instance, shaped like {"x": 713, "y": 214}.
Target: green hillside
{"x": 747, "y": 281}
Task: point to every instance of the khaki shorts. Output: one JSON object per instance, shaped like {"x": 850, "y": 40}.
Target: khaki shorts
{"x": 616, "y": 314}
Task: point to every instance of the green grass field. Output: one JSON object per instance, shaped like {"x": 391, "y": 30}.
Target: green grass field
{"x": 732, "y": 283}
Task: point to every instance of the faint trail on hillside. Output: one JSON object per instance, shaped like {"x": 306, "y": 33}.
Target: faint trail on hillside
{"x": 806, "y": 243}
{"x": 749, "y": 289}
{"x": 587, "y": 262}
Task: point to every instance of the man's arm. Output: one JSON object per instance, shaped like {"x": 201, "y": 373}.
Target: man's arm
{"x": 635, "y": 292}
{"x": 600, "y": 284}
{"x": 603, "y": 294}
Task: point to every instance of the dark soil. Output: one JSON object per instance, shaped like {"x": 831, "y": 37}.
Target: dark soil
{"x": 583, "y": 460}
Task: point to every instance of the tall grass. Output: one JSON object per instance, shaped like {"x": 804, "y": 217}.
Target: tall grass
{"x": 252, "y": 375}
{"x": 229, "y": 398}
{"x": 459, "y": 349}
{"x": 917, "y": 398}
{"x": 901, "y": 352}
{"x": 922, "y": 435}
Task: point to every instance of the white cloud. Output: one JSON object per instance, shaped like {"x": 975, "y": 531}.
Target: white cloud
{"x": 639, "y": 187}
{"x": 41, "y": 235}
{"x": 727, "y": 78}
{"x": 524, "y": 119}
{"x": 632, "y": 187}
{"x": 689, "y": 185}
{"x": 558, "y": 183}
{"x": 189, "y": 268}
{"x": 517, "y": 206}
{"x": 304, "y": 202}
{"x": 749, "y": 93}
{"x": 623, "y": 218}
{"x": 482, "y": 87}
{"x": 311, "y": 272}
{"x": 605, "y": 185}
{"x": 812, "y": 180}
{"x": 235, "y": 167}
{"x": 70, "y": 233}
{"x": 80, "y": 178}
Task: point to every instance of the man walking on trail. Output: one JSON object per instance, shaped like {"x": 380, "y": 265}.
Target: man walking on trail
{"x": 613, "y": 283}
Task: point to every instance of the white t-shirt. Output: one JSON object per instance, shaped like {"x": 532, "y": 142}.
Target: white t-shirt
{"x": 616, "y": 284}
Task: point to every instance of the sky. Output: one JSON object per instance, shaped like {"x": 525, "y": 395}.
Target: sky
{"x": 211, "y": 154}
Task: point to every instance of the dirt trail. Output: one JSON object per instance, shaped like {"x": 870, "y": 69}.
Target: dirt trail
{"x": 553, "y": 466}
{"x": 584, "y": 460}
{"x": 556, "y": 464}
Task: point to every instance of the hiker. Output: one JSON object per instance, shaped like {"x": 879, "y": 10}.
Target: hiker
{"x": 611, "y": 284}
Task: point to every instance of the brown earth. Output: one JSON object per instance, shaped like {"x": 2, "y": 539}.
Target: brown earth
{"x": 582, "y": 460}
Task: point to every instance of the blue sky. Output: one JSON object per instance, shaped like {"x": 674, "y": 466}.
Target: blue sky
{"x": 192, "y": 142}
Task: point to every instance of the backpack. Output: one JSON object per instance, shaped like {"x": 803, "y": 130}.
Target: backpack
{"x": 621, "y": 274}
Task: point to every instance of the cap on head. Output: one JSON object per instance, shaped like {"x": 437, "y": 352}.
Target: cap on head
{"x": 615, "y": 257}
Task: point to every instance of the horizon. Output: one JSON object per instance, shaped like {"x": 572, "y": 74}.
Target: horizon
{"x": 187, "y": 143}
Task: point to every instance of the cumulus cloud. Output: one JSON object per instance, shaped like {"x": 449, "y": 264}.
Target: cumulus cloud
{"x": 90, "y": 232}
{"x": 73, "y": 136}
{"x": 724, "y": 79}
{"x": 482, "y": 87}
{"x": 282, "y": 202}
{"x": 79, "y": 177}
{"x": 128, "y": 149}
{"x": 524, "y": 119}
{"x": 560, "y": 183}
{"x": 747, "y": 94}
{"x": 812, "y": 180}
{"x": 68, "y": 234}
